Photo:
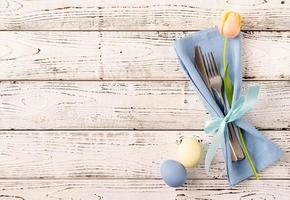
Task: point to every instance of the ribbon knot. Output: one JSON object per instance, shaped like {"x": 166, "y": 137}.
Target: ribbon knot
{"x": 217, "y": 126}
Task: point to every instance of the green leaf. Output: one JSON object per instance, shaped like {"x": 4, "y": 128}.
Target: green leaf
{"x": 228, "y": 86}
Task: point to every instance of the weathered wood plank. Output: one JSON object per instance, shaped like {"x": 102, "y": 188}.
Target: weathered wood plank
{"x": 141, "y": 190}
{"x": 111, "y": 154}
{"x": 219, "y": 190}
{"x": 125, "y": 105}
{"x": 138, "y": 15}
{"x": 85, "y": 189}
{"x": 126, "y": 56}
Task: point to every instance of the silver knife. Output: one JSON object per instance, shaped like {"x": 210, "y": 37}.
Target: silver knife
{"x": 200, "y": 66}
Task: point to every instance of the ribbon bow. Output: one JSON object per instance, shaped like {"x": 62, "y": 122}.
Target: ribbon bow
{"x": 217, "y": 126}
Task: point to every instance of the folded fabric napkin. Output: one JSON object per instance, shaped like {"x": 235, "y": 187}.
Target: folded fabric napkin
{"x": 262, "y": 151}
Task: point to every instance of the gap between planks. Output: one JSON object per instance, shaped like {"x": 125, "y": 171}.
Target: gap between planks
{"x": 150, "y": 30}
{"x": 122, "y": 80}
{"x": 130, "y": 179}
{"x": 129, "y": 130}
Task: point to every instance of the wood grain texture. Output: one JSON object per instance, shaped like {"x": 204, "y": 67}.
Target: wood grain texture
{"x": 112, "y": 154}
{"x": 128, "y": 45}
{"x": 126, "y": 105}
{"x": 141, "y": 190}
{"x": 85, "y": 190}
{"x": 138, "y": 15}
{"x": 248, "y": 190}
{"x": 50, "y": 55}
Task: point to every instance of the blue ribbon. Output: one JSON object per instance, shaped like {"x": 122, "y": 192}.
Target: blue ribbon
{"x": 217, "y": 126}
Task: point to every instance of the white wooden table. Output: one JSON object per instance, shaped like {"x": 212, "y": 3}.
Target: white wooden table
{"x": 93, "y": 99}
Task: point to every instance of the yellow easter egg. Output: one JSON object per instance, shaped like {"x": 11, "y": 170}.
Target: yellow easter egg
{"x": 189, "y": 152}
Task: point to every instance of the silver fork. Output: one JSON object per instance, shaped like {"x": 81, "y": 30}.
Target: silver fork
{"x": 216, "y": 84}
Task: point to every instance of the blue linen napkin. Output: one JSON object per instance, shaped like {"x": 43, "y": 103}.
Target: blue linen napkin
{"x": 262, "y": 151}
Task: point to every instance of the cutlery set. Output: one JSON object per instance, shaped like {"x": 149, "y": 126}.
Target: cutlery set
{"x": 244, "y": 152}
{"x": 209, "y": 72}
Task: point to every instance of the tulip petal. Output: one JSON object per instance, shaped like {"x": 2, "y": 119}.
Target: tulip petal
{"x": 230, "y": 25}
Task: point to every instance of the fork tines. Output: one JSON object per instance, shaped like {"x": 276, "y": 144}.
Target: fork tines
{"x": 210, "y": 65}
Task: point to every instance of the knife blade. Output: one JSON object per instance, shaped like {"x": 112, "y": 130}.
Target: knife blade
{"x": 201, "y": 66}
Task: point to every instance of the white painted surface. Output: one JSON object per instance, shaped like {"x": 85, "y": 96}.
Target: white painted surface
{"x": 70, "y": 55}
{"x": 139, "y": 14}
{"x": 97, "y": 154}
{"x": 126, "y": 105}
{"x": 78, "y": 76}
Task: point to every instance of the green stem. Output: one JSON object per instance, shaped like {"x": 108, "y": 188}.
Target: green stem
{"x": 239, "y": 130}
{"x": 247, "y": 154}
{"x": 225, "y": 55}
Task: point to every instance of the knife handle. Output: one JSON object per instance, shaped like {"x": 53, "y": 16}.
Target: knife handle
{"x": 236, "y": 149}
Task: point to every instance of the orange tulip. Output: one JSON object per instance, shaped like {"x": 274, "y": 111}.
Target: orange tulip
{"x": 230, "y": 25}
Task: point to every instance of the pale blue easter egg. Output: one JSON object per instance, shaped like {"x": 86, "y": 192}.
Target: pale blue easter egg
{"x": 173, "y": 173}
